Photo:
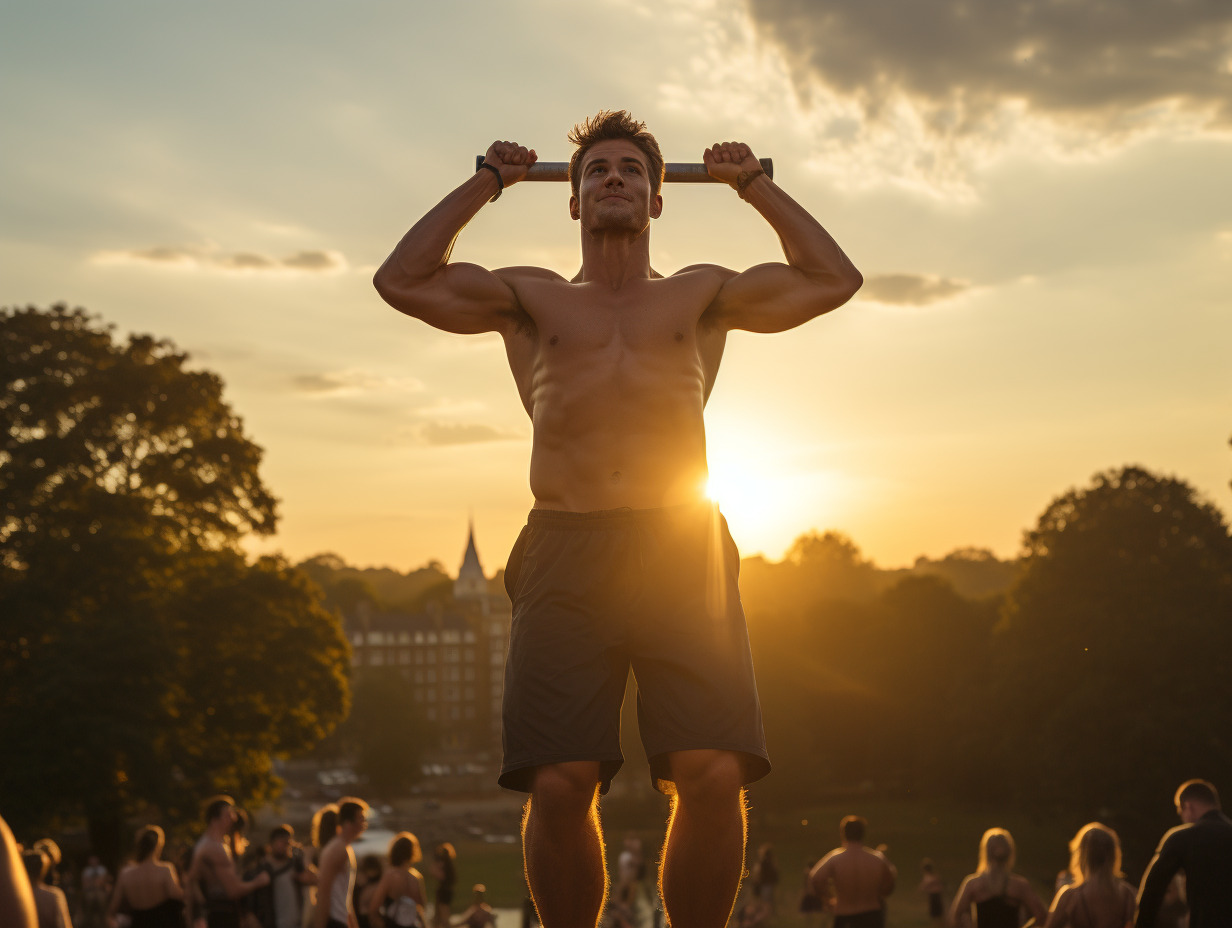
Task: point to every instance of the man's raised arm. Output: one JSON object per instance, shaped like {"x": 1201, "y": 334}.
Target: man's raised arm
{"x": 817, "y": 277}
{"x": 417, "y": 278}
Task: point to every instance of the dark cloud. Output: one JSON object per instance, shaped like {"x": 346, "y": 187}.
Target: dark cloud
{"x": 911, "y": 289}
{"x": 201, "y": 258}
{"x": 457, "y": 433}
{"x": 1104, "y": 64}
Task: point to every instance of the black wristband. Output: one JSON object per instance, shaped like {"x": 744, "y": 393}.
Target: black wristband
{"x": 495, "y": 170}
{"x": 744, "y": 178}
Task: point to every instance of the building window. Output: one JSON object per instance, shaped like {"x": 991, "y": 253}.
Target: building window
{"x": 431, "y": 676}
{"x": 376, "y": 658}
{"x": 451, "y": 655}
{"x": 469, "y": 637}
{"x": 450, "y": 637}
{"x": 404, "y": 637}
{"x": 376, "y": 638}
{"x": 452, "y": 694}
{"x": 357, "y": 639}
{"x": 418, "y": 657}
{"x": 431, "y": 714}
{"x": 431, "y": 637}
{"x": 468, "y": 674}
{"x": 468, "y": 693}
{"x": 469, "y": 655}
{"x": 455, "y": 712}
{"x": 496, "y": 657}
{"x": 419, "y": 678}
{"x": 419, "y": 638}
{"x": 431, "y": 657}
{"x": 470, "y": 712}
{"x": 431, "y": 694}
{"x": 404, "y": 657}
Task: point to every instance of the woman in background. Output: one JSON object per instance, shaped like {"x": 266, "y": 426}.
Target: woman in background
{"x": 995, "y": 892}
{"x": 1096, "y": 897}
{"x": 399, "y": 900}
{"x": 445, "y": 872}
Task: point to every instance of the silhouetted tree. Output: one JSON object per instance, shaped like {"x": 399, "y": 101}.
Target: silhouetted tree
{"x": 142, "y": 659}
{"x": 1116, "y": 646}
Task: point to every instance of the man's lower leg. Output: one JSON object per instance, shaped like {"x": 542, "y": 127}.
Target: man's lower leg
{"x": 703, "y": 854}
{"x": 562, "y": 845}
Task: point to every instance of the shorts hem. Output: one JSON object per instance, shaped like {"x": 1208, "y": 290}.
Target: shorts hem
{"x": 755, "y": 762}
{"x": 517, "y": 775}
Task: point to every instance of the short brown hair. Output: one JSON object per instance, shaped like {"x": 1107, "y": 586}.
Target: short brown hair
{"x": 607, "y": 125}
{"x": 1200, "y": 791}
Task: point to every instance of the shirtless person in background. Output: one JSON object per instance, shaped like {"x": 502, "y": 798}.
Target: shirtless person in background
{"x": 855, "y": 878}
{"x": 623, "y": 562}
{"x": 212, "y": 884}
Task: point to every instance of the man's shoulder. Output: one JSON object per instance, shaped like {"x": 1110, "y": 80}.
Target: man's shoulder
{"x": 527, "y": 272}
{"x": 712, "y": 270}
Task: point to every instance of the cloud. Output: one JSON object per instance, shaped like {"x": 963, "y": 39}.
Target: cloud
{"x": 458, "y": 433}
{"x": 352, "y": 383}
{"x": 927, "y": 94}
{"x": 911, "y": 289}
{"x": 209, "y": 258}
{"x": 1101, "y": 62}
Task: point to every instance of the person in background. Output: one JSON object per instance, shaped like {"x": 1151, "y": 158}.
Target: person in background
{"x": 479, "y": 915}
{"x": 995, "y": 893}
{"x": 50, "y": 906}
{"x": 765, "y": 876}
{"x": 336, "y": 878}
{"x": 149, "y": 891}
{"x": 324, "y": 827}
{"x": 445, "y": 872}
{"x": 367, "y": 879}
{"x": 1097, "y": 895}
{"x": 857, "y": 879}
{"x": 811, "y": 904}
{"x": 400, "y": 899}
{"x": 289, "y": 875}
{"x": 95, "y": 892}
{"x": 932, "y": 889}
{"x": 1202, "y": 849}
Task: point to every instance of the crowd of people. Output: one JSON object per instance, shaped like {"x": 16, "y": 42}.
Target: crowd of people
{"x": 1188, "y": 883}
{"x": 226, "y": 881}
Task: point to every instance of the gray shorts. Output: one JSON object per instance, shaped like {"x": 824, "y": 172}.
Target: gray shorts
{"x": 597, "y": 593}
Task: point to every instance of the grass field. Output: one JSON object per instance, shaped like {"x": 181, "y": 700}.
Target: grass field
{"x": 910, "y": 829}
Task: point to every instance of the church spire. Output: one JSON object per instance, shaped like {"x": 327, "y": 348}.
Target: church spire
{"x": 471, "y": 583}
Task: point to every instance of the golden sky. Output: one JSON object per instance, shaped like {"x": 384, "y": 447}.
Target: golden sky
{"x": 1039, "y": 203}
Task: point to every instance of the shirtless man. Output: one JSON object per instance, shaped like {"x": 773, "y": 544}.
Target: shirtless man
{"x": 856, "y": 878}
{"x": 336, "y": 874}
{"x": 622, "y": 562}
{"x": 212, "y": 884}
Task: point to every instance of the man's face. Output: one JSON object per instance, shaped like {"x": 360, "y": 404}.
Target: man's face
{"x": 614, "y": 192}
{"x": 280, "y": 847}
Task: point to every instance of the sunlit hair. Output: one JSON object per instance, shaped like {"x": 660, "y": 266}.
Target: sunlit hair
{"x": 852, "y": 827}
{"x": 216, "y": 805}
{"x": 997, "y": 851}
{"x": 1095, "y": 854}
{"x": 37, "y": 864}
{"x": 404, "y": 850}
{"x": 149, "y": 842}
{"x": 445, "y": 851}
{"x": 324, "y": 825}
{"x": 1200, "y": 791}
{"x": 609, "y": 125}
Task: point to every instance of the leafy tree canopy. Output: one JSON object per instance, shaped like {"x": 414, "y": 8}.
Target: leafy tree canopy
{"x": 145, "y": 662}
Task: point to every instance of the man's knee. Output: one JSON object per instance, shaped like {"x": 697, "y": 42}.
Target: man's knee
{"x": 707, "y": 775}
{"x": 564, "y": 789}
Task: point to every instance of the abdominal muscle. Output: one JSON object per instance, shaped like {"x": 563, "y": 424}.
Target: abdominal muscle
{"x": 612, "y": 433}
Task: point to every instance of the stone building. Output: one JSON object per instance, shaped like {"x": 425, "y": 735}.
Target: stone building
{"x": 452, "y": 653}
